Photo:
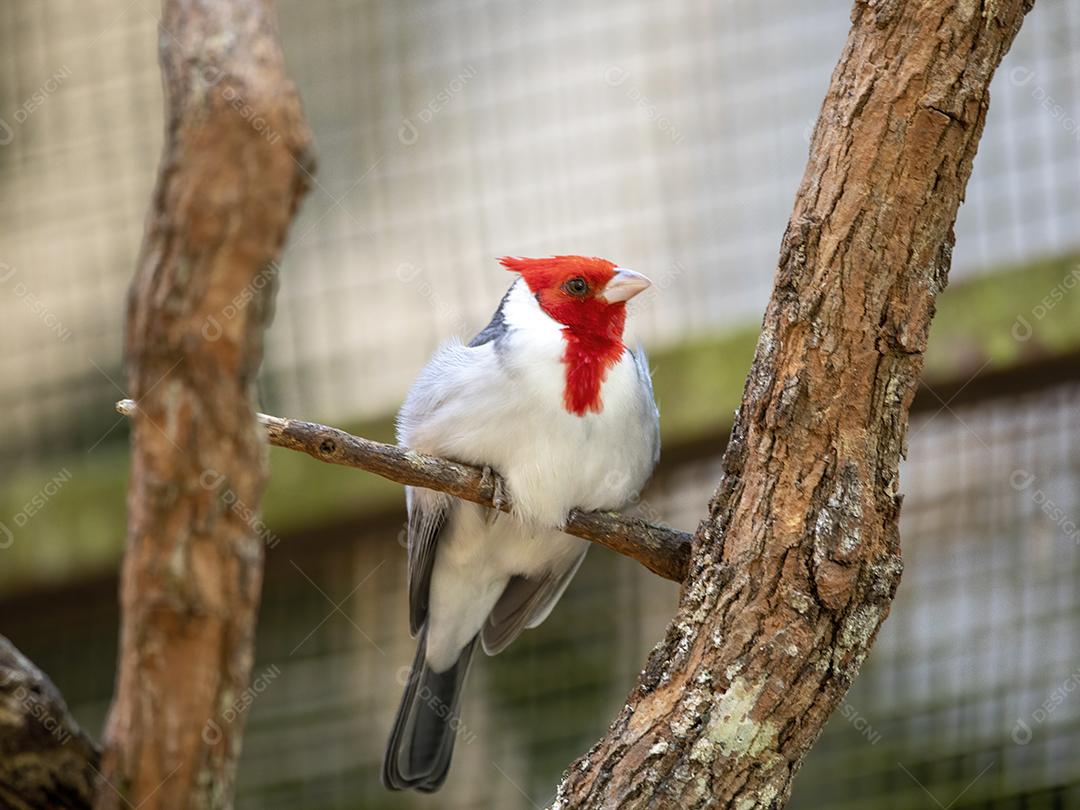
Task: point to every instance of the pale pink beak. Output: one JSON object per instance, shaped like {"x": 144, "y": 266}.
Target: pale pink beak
{"x": 623, "y": 286}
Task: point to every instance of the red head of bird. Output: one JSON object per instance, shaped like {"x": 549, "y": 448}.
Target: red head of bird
{"x": 588, "y": 297}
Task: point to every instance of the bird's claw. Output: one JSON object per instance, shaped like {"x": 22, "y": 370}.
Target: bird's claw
{"x": 499, "y": 497}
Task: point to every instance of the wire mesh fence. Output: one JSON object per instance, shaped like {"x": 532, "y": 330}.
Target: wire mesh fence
{"x": 670, "y": 138}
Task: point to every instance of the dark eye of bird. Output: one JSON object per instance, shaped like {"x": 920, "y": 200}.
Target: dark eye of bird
{"x": 576, "y": 286}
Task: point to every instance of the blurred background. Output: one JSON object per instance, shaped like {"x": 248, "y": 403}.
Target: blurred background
{"x": 668, "y": 137}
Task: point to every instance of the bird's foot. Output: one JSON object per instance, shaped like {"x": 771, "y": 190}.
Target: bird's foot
{"x": 499, "y": 497}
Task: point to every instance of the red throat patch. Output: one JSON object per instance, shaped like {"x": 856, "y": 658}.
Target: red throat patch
{"x": 568, "y": 289}
{"x": 587, "y": 365}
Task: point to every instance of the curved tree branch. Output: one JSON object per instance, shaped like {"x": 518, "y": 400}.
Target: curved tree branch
{"x": 662, "y": 550}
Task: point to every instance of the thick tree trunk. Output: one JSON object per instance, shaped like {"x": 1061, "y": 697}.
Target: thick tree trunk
{"x": 232, "y": 174}
{"x": 795, "y": 568}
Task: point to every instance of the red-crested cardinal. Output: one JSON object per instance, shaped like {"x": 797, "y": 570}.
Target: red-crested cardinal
{"x": 548, "y": 396}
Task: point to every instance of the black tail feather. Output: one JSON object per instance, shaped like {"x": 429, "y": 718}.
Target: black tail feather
{"x": 422, "y": 741}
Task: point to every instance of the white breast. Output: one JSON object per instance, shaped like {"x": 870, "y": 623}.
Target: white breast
{"x": 555, "y": 460}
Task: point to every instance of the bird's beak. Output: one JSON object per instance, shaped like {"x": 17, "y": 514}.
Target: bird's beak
{"x": 623, "y": 286}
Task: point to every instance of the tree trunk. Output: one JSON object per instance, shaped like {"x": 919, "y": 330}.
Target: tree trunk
{"x": 795, "y": 568}
{"x": 233, "y": 171}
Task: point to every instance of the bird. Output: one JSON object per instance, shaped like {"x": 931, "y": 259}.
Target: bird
{"x": 549, "y": 401}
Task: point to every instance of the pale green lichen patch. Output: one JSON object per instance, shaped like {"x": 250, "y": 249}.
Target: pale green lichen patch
{"x": 731, "y": 731}
{"x": 766, "y": 796}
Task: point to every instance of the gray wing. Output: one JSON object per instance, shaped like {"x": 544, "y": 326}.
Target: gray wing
{"x": 651, "y": 411}
{"x": 429, "y": 511}
{"x": 524, "y": 603}
{"x": 428, "y": 514}
{"x": 496, "y": 327}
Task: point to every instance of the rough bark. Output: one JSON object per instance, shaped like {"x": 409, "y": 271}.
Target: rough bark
{"x": 231, "y": 176}
{"x": 662, "y": 550}
{"x": 46, "y": 761}
{"x": 795, "y": 567}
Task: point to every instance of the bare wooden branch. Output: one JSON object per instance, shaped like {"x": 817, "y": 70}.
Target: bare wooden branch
{"x": 46, "y": 761}
{"x": 662, "y": 550}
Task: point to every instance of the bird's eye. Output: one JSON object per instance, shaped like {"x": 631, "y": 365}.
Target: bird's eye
{"x": 576, "y": 286}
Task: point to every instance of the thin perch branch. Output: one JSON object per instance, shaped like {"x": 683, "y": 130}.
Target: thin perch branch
{"x": 663, "y": 551}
